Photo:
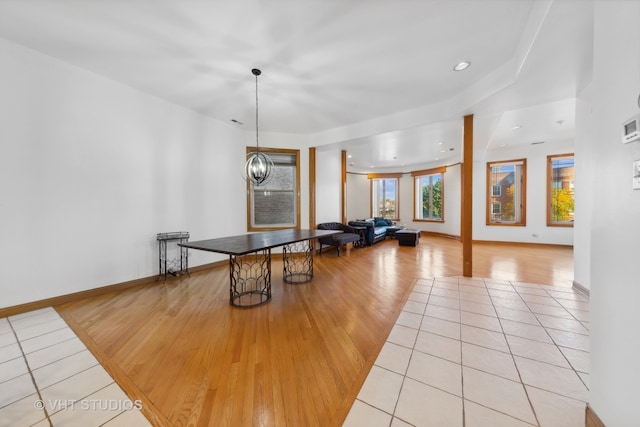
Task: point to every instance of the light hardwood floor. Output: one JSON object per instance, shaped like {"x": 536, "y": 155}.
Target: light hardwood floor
{"x": 301, "y": 359}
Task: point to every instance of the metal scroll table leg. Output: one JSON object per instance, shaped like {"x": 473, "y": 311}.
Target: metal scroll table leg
{"x": 162, "y": 259}
{"x": 297, "y": 262}
{"x": 250, "y": 277}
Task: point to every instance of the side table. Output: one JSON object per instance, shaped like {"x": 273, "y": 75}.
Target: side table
{"x": 175, "y": 266}
{"x": 363, "y": 240}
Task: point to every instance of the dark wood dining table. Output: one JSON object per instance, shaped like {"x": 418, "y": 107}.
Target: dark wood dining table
{"x": 250, "y": 260}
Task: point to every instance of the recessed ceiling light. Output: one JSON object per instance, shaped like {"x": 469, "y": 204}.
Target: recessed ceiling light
{"x": 517, "y": 127}
{"x": 462, "y": 66}
{"x": 349, "y": 156}
{"x": 440, "y": 143}
{"x": 503, "y": 145}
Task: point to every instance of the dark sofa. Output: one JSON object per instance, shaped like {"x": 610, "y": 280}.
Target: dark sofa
{"x": 348, "y": 235}
{"x": 376, "y": 228}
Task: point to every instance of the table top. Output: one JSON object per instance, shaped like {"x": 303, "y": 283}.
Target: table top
{"x": 247, "y": 243}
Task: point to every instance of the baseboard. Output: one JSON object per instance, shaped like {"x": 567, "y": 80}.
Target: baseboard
{"x": 76, "y": 296}
{"x": 493, "y": 242}
{"x": 591, "y": 419}
{"x": 209, "y": 266}
{"x": 436, "y": 234}
{"x": 497, "y": 242}
{"x": 578, "y": 287}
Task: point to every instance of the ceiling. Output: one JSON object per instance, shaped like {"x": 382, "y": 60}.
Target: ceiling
{"x": 378, "y": 74}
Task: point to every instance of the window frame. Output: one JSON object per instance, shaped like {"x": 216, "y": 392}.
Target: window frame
{"x": 520, "y": 189}
{"x": 251, "y": 190}
{"x": 417, "y": 193}
{"x": 550, "y": 182}
{"x": 374, "y": 177}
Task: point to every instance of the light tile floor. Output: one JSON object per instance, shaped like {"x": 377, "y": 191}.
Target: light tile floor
{"x": 472, "y": 352}
{"x": 481, "y": 352}
{"x": 48, "y": 377}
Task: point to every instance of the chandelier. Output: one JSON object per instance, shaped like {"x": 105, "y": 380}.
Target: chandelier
{"x": 259, "y": 166}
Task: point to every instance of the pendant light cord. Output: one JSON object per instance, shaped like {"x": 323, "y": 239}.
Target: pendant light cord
{"x": 259, "y": 166}
{"x": 256, "y": 72}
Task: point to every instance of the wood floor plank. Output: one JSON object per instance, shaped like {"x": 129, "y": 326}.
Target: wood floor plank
{"x": 298, "y": 360}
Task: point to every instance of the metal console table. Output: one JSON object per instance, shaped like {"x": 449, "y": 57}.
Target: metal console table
{"x": 250, "y": 261}
{"x": 363, "y": 240}
{"x": 175, "y": 266}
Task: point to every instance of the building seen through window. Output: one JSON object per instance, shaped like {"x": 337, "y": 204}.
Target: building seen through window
{"x": 506, "y": 191}
{"x": 384, "y": 197}
{"x": 560, "y": 190}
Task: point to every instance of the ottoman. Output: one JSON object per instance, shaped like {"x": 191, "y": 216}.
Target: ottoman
{"x": 338, "y": 240}
{"x": 407, "y": 237}
{"x": 391, "y": 231}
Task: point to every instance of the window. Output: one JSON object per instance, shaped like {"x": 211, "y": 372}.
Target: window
{"x": 496, "y": 208}
{"x": 276, "y": 205}
{"x": 560, "y": 182}
{"x": 506, "y": 192}
{"x": 384, "y": 195}
{"x": 428, "y": 198}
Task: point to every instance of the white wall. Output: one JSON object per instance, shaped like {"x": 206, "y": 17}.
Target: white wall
{"x": 452, "y": 200}
{"x": 92, "y": 170}
{"x": 615, "y": 233}
{"x": 358, "y": 196}
{"x": 406, "y": 194}
{"x": 536, "y": 202}
{"x": 328, "y": 181}
{"x": 583, "y": 193}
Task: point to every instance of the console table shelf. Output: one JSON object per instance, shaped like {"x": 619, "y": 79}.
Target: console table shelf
{"x": 174, "y": 266}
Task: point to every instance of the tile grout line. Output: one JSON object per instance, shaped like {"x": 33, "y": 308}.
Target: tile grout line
{"x": 48, "y": 332}
{"x": 30, "y": 371}
{"x": 553, "y": 340}
{"x": 555, "y": 343}
{"x": 535, "y": 415}
{"x": 404, "y": 377}
{"x": 493, "y": 374}
{"x": 503, "y": 333}
{"x": 464, "y": 419}
{"x": 33, "y": 380}
{"x": 560, "y": 350}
